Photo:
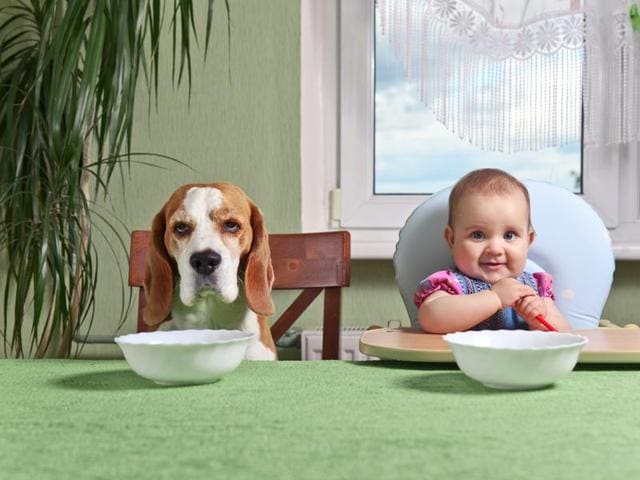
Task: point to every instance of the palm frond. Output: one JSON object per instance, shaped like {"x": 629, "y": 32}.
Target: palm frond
{"x": 68, "y": 79}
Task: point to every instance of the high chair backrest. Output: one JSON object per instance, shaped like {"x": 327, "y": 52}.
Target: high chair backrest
{"x": 311, "y": 262}
{"x": 572, "y": 244}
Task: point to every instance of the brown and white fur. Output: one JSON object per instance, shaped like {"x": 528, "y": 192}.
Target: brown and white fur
{"x": 209, "y": 265}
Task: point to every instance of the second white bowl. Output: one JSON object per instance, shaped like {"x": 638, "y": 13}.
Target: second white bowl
{"x": 515, "y": 359}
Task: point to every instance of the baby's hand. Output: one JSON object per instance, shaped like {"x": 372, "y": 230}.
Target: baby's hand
{"x": 528, "y": 308}
{"x": 509, "y": 291}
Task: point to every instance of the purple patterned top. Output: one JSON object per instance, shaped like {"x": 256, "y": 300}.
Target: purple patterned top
{"x": 455, "y": 282}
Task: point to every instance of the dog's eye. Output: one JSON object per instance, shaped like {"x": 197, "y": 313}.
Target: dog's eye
{"x": 181, "y": 229}
{"x": 231, "y": 226}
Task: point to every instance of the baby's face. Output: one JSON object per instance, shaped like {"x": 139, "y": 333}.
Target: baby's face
{"x": 490, "y": 236}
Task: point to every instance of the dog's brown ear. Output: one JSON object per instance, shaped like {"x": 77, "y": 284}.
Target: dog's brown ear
{"x": 158, "y": 276}
{"x": 258, "y": 275}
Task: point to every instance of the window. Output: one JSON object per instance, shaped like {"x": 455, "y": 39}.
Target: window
{"x": 414, "y": 153}
{"x": 337, "y": 144}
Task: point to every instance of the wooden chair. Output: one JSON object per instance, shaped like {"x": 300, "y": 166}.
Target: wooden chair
{"x": 312, "y": 262}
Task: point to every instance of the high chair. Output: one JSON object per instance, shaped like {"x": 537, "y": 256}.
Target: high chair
{"x": 572, "y": 244}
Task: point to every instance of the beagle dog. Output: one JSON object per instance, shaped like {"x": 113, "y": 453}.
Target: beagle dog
{"x": 209, "y": 265}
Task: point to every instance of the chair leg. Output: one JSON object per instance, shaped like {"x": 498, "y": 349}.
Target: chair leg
{"x": 291, "y": 314}
{"x": 331, "y": 324}
{"x": 141, "y": 326}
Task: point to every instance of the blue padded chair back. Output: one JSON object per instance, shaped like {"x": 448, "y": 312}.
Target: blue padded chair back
{"x": 572, "y": 244}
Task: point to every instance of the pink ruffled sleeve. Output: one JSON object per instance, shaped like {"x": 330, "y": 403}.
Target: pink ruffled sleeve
{"x": 545, "y": 284}
{"x": 443, "y": 280}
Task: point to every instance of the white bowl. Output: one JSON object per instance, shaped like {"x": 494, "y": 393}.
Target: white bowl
{"x": 515, "y": 359}
{"x": 183, "y": 357}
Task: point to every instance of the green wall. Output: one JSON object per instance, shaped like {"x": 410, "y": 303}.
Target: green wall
{"x": 243, "y": 126}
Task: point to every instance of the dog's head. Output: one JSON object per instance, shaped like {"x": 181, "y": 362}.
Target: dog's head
{"x": 204, "y": 237}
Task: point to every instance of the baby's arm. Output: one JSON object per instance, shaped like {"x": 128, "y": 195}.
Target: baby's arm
{"x": 442, "y": 312}
{"x": 529, "y": 307}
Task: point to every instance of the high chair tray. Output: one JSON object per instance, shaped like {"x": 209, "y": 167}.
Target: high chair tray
{"x": 606, "y": 345}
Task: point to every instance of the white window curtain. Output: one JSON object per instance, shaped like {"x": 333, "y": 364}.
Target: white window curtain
{"x": 513, "y": 75}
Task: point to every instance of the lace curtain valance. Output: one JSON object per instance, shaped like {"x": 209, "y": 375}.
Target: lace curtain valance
{"x": 513, "y": 75}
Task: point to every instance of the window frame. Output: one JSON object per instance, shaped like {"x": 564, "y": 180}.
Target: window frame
{"x": 336, "y": 139}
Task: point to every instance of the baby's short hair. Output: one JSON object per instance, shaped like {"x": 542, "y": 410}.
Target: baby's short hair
{"x": 485, "y": 181}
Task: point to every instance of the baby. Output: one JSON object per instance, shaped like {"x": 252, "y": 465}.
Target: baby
{"x": 489, "y": 232}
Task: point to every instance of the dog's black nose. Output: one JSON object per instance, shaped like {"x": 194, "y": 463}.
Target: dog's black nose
{"x": 205, "y": 262}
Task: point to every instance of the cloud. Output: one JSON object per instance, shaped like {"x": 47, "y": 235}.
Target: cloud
{"x": 514, "y": 99}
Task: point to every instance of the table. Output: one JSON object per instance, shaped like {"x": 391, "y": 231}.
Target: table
{"x": 82, "y": 419}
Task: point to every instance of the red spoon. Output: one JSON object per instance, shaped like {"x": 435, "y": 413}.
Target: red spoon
{"x": 542, "y": 320}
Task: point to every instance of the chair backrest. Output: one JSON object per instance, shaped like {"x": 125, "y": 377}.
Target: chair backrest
{"x": 572, "y": 244}
{"x": 312, "y": 262}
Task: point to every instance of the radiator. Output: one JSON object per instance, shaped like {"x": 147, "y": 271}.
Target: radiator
{"x": 311, "y": 344}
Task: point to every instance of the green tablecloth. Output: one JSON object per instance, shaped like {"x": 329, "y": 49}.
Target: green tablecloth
{"x": 97, "y": 419}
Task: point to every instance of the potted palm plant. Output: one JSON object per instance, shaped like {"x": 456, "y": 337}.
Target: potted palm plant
{"x": 68, "y": 77}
